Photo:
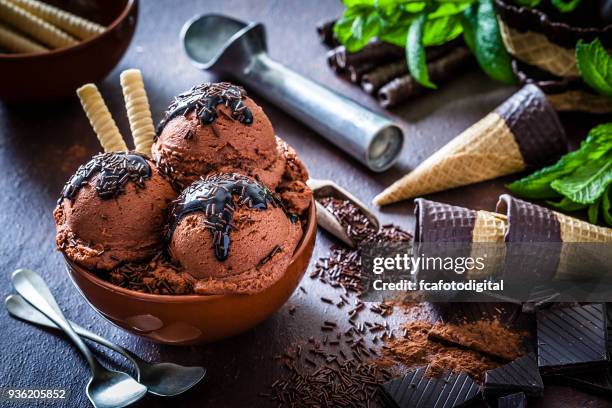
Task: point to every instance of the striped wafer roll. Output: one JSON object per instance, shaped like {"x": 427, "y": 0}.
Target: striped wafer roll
{"x": 531, "y": 223}
{"x": 139, "y": 112}
{"x": 438, "y": 222}
{"x": 100, "y": 118}
{"x": 35, "y": 27}
{"x": 13, "y": 41}
{"x": 523, "y": 132}
{"x": 71, "y": 23}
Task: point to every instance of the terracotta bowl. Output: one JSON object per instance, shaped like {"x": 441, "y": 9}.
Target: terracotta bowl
{"x": 49, "y": 76}
{"x": 193, "y": 319}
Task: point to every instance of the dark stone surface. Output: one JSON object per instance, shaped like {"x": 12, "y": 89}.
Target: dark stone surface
{"x": 40, "y": 147}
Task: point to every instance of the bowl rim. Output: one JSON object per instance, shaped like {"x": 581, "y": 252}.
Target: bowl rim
{"x": 130, "y": 4}
{"x": 309, "y": 233}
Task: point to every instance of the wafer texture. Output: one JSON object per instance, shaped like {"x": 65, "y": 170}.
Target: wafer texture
{"x": 34, "y": 26}
{"x": 489, "y": 228}
{"x": 484, "y": 151}
{"x": 575, "y": 230}
{"x": 138, "y": 110}
{"x": 15, "y": 42}
{"x": 100, "y": 118}
{"x": 71, "y": 23}
{"x": 535, "y": 49}
{"x": 580, "y": 101}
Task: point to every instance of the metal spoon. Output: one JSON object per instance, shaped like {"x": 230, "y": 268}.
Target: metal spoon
{"x": 163, "y": 379}
{"x": 227, "y": 46}
{"x": 106, "y": 388}
{"x": 327, "y": 220}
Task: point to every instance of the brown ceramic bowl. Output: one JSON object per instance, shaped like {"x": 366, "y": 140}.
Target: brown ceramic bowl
{"x": 49, "y": 76}
{"x": 193, "y": 319}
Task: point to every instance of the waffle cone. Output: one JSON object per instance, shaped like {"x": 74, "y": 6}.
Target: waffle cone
{"x": 580, "y": 101}
{"x": 536, "y": 49}
{"x": 489, "y": 228}
{"x": 484, "y": 151}
{"x": 575, "y": 230}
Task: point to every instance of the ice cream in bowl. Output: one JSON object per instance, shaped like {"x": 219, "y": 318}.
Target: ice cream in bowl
{"x": 202, "y": 231}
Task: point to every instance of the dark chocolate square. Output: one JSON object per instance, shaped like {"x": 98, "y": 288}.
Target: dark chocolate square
{"x": 518, "y": 400}
{"x": 572, "y": 339}
{"x": 520, "y": 375}
{"x": 417, "y": 390}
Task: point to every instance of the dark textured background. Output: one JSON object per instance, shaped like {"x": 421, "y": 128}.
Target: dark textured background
{"x": 41, "y": 146}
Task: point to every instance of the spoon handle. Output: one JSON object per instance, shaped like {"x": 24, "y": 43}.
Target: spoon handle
{"x": 34, "y": 289}
{"x": 17, "y": 306}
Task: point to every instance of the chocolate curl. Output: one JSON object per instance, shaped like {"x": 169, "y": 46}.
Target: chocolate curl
{"x": 375, "y": 51}
{"x": 441, "y": 70}
{"x": 372, "y": 81}
{"x": 325, "y": 31}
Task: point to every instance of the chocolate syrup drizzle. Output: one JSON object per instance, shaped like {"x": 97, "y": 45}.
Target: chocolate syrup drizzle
{"x": 204, "y": 98}
{"x": 216, "y": 196}
{"x": 115, "y": 170}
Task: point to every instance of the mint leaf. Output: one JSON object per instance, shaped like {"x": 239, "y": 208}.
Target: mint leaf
{"x": 482, "y": 35}
{"x": 528, "y": 3}
{"x": 595, "y": 66}
{"x": 567, "y": 205}
{"x": 440, "y": 30}
{"x": 565, "y": 6}
{"x": 593, "y": 212}
{"x": 588, "y": 182}
{"x": 415, "y": 52}
{"x": 605, "y": 206}
{"x": 537, "y": 185}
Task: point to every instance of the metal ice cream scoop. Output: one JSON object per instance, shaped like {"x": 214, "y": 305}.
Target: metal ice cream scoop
{"x": 231, "y": 47}
{"x": 327, "y": 220}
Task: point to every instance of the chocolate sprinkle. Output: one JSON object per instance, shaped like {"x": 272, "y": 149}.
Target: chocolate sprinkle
{"x": 204, "y": 98}
{"x": 114, "y": 170}
{"x": 217, "y": 196}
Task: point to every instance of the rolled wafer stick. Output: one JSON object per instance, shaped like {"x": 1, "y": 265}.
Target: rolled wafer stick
{"x": 13, "y": 41}
{"x": 71, "y": 23}
{"x": 34, "y": 26}
{"x": 356, "y": 72}
{"x": 523, "y": 132}
{"x": 100, "y": 118}
{"x": 139, "y": 112}
{"x": 440, "y": 70}
{"x": 374, "y": 51}
{"x": 326, "y": 33}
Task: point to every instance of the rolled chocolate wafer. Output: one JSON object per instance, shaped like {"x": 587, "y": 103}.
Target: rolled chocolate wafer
{"x": 71, "y": 23}
{"x": 13, "y": 41}
{"x": 326, "y": 34}
{"x": 440, "y": 70}
{"x": 523, "y": 132}
{"x": 35, "y": 27}
{"x": 356, "y": 72}
{"x": 375, "y": 51}
{"x": 139, "y": 112}
{"x": 100, "y": 118}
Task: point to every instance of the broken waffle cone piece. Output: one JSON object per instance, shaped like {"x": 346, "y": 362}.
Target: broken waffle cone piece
{"x": 33, "y": 26}
{"x": 72, "y": 24}
{"x": 535, "y": 49}
{"x": 13, "y": 41}
{"x": 523, "y": 132}
{"x": 139, "y": 112}
{"x": 100, "y": 118}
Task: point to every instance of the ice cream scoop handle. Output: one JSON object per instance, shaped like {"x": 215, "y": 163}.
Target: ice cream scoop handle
{"x": 340, "y": 120}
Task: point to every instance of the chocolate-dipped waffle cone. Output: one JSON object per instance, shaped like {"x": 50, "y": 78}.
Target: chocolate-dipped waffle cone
{"x": 535, "y": 49}
{"x": 580, "y": 101}
{"x": 523, "y": 132}
{"x": 528, "y": 222}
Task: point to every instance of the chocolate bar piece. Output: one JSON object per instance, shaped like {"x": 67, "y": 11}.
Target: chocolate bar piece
{"x": 599, "y": 382}
{"x": 572, "y": 339}
{"x": 520, "y": 375}
{"x": 417, "y": 390}
{"x": 518, "y": 400}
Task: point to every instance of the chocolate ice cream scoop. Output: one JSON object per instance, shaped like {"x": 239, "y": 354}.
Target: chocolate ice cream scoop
{"x": 215, "y": 127}
{"x": 112, "y": 211}
{"x": 232, "y": 233}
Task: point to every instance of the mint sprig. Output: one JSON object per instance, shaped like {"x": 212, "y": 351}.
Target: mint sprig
{"x": 595, "y": 66}
{"x": 417, "y": 24}
{"x": 580, "y": 180}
